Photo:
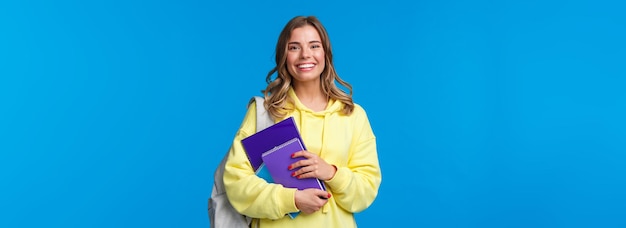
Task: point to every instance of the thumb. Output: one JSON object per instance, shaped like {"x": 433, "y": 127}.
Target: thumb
{"x": 322, "y": 194}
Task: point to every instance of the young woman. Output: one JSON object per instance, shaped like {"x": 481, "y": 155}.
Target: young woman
{"x": 341, "y": 144}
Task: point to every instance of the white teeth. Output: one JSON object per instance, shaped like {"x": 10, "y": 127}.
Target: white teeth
{"x": 306, "y": 65}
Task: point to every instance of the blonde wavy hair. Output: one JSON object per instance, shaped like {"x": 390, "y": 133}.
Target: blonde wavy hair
{"x": 276, "y": 91}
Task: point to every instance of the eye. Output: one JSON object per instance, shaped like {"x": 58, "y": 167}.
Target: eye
{"x": 316, "y": 46}
{"x": 293, "y": 48}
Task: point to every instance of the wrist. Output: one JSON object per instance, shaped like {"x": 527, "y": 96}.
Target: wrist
{"x": 334, "y": 168}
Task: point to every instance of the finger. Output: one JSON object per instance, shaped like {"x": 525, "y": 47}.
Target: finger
{"x": 300, "y": 172}
{"x": 297, "y": 164}
{"x": 302, "y": 153}
{"x": 306, "y": 171}
{"x": 297, "y": 154}
{"x": 302, "y": 163}
{"x": 322, "y": 194}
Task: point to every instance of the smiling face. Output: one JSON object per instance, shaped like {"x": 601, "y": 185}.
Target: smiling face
{"x": 305, "y": 55}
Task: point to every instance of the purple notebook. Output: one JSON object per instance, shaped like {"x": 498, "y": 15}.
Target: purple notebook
{"x": 268, "y": 138}
{"x": 279, "y": 158}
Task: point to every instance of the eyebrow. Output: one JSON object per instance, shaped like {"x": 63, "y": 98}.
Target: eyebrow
{"x": 298, "y": 43}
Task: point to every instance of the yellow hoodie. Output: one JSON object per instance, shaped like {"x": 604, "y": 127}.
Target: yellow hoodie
{"x": 347, "y": 142}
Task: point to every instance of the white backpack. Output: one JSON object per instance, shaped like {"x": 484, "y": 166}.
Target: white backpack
{"x": 221, "y": 212}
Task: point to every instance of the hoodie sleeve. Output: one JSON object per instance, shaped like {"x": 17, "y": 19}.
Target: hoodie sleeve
{"x": 355, "y": 186}
{"x": 249, "y": 194}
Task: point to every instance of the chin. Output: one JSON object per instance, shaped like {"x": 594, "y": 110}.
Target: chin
{"x": 307, "y": 78}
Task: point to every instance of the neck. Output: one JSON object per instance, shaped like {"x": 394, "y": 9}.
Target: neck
{"x": 311, "y": 95}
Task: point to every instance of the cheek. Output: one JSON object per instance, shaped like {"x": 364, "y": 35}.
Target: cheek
{"x": 321, "y": 60}
{"x": 290, "y": 64}
{"x": 320, "y": 57}
{"x": 291, "y": 59}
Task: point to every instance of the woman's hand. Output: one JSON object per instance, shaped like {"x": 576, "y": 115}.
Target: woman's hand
{"x": 311, "y": 200}
{"x": 312, "y": 166}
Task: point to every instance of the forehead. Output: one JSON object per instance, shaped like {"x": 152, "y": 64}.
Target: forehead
{"x": 305, "y": 34}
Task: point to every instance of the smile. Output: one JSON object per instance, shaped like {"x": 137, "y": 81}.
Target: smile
{"x": 306, "y": 65}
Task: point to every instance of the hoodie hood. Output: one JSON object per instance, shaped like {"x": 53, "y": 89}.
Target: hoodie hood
{"x": 332, "y": 107}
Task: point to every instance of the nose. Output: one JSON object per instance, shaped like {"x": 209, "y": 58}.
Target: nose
{"x": 306, "y": 53}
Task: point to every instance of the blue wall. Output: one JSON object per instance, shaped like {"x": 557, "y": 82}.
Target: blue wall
{"x": 488, "y": 114}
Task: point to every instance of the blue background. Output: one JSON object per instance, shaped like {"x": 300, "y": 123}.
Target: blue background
{"x": 488, "y": 114}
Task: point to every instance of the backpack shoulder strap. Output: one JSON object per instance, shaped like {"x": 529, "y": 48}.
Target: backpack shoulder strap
{"x": 263, "y": 118}
{"x": 219, "y": 206}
